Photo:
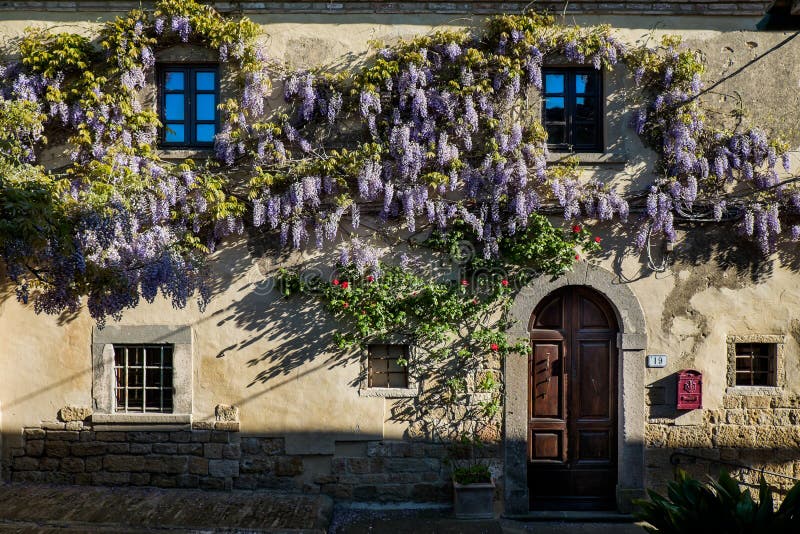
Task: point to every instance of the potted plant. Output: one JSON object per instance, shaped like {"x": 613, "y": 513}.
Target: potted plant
{"x": 473, "y": 487}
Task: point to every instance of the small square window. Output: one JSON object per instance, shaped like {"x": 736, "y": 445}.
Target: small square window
{"x": 188, "y": 99}
{"x": 388, "y": 366}
{"x": 143, "y": 378}
{"x": 756, "y": 364}
{"x": 571, "y": 109}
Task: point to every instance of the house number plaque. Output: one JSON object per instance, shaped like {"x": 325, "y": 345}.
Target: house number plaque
{"x": 656, "y": 360}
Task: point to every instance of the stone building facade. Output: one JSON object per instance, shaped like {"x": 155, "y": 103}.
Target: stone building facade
{"x": 262, "y": 402}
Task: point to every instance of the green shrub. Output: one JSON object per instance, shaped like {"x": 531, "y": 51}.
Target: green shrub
{"x": 719, "y": 507}
{"x": 472, "y": 474}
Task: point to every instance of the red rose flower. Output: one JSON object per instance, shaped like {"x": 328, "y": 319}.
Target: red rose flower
{"x": 495, "y": 347}
{"x": 577, "y": 256}
{"x": 370, "y": 278}
{"x": 345, "y": 284}
{"x": 475, "y": 301}
{"x": 336, "y": 281}
{"x": 576, "y": 228}
{"x": 504, "y": 282}
{"x": 597, "y": 239}
{"x": 345, "y": 305}
{"x": 464, "y": 283}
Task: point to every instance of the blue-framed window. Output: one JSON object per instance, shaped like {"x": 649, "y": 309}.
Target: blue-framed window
{"x": 572, "y": 109}
{"x": 188, "y": 96}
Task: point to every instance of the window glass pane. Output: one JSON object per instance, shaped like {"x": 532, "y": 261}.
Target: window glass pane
{"x": 153, "y": 356}
{"x": 379, "y": 365}
{"x": 174, "y": 81}
{"x": 395, "y": 367}
{"x": 153, "y": 400}
{"x": 585, "y": 108}
{"x": 120, "y": 399}
{"x": 135, "y": 400}
{"x": 554, "y": 109}
{"x": 585, "y": 134}
{"x": 174, "y": 133}
{"x": 173, "y": 107}
{"x": 205, "y": 133}
{"x": 205, "y": 81}
{"x": 554, "y": 83}
{"x": 556, "y": 134}
{"x": 585, "y": 84}
{"x": 206, "y": 107}
{"x": 167, "y": 378}
{"x": 135, "y": 356}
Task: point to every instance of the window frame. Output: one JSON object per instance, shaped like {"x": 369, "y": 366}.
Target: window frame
{"x": 190, "y": 122}
{"x": 412, "y": 386}
{"x": 371, "y": 373}
{"x": 569, "y": 94}
{"x": 777, "y": 379}
{"x": 104, "y": 379}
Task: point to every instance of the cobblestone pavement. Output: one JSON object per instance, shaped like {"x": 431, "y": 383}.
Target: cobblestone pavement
{"x": 45, "y": 509}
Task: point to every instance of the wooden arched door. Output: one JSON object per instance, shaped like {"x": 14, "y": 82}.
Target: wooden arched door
{"x": 572, "y": 402}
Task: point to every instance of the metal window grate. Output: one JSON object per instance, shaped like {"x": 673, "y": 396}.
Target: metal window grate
{"x": 385, "y": 371}
{"x": 755, "y": 364}
{"x": 143, "y": 378}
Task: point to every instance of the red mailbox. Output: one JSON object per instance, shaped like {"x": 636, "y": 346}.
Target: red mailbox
{"x": 690, "y": 389}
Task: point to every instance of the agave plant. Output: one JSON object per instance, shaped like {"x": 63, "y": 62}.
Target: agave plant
{"x": 719, "y": 506}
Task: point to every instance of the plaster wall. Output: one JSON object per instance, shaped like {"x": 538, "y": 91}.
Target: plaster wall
{"x": 272, "y": 357}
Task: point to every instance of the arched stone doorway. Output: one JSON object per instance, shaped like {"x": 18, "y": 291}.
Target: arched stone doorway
{"x": 624, "y": 316}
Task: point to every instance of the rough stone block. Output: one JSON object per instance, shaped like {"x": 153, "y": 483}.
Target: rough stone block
{"x": 111, "y": 436}
{"x": 53, "y": 425}
{"x": 411, "y": 464}
{"x": 72, "y": 465}
{"x": 166, "y": 464}
{"x": 232, "y": 451}
{"x": 180, "y": 437}
{"x": 74, "y": 425}
{"x": 224, "y": 412}
{"x": 190, "y": 448}
{"x": 88, "y": 435}
{"x": 165, "y": 448}
{"x": 33, "y": 433}
{"x": 57, "y": 449}
{"x": 27, "y": 476}
{"x": 338, "y": 491}
{"x": 223, "y": 468}
{"x": 25, "y": 463}
{"x": 289, "y": 466}
{"x": 117, "y": 463}
{"x": 83, "y": 479}
{"x": 118, "y": 448}
{"x": 141, "y": 448}
{"x": 94, "y": 463}
{"x": 209, "y": 483}
{"x": 274, "y": 446}
{"x": 755, "y": 401}
{"x": 246, "y": 482}
{"x": 219, "y": 437}
{"x": 257, "y": 464}
{"x": 34, "y": 447}
{"x": 74, "y": 413}
{"x": 201, "y": 436}
{"x": 88, "y": 448}
{"x": 49, "y": 464}
{"x": 163, "y": 481}
{"x": 148, "y": 437}
{"x": 227, "y": 426}
{"x": 63, "y": 435}
{"x": 198, "y": 466}
{"x": 213, "y": 450}
{"x": 202, "y": 425}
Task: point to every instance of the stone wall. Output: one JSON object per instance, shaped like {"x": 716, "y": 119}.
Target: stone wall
{"x": 213, "y": 459}
{"x": 760, "y": 431}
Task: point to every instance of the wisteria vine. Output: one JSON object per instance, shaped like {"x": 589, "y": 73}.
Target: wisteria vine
{"x": 436, "y": 133}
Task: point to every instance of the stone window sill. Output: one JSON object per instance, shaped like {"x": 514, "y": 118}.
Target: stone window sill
{"x": 389, "y": 393}
{"x": 752, "y": 391}
{"x": 588, "y": 158}
{"x": 185, "y": 153}
{"x": 142, "y": 419}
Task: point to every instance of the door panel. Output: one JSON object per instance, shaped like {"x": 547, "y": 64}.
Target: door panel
{"x": 572, "y": 461}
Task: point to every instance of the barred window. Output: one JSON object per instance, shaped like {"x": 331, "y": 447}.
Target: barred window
{"x": 143, "y": 378}
{"x": 388, "y": 366}
{"x": 756, "y": 364}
